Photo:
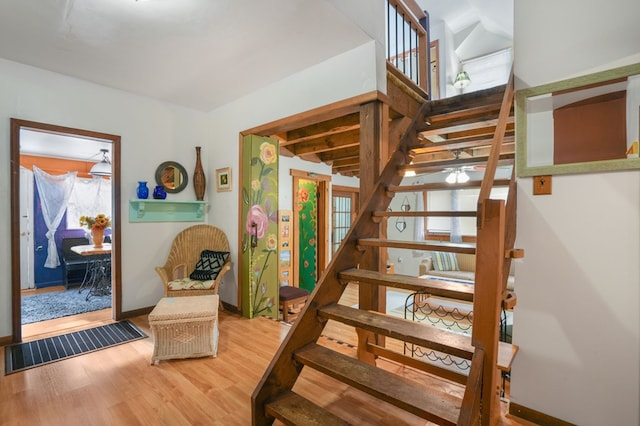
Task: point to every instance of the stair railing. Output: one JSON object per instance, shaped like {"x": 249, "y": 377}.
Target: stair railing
{"x": 491, "y": 268}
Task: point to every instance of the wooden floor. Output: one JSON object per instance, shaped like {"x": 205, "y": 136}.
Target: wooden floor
{"x": 119, "y": 386}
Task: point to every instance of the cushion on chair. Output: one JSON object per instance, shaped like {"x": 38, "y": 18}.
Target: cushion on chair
{"x": 189, "y": 284}
{"x": 444, "y": 261}
{"x": 209, "y": 265}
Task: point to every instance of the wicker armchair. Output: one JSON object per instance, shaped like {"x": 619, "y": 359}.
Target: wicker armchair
{"x": 185, "y": 253}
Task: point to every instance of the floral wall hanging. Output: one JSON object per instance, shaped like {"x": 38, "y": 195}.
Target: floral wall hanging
{"x": 260, "y": 231}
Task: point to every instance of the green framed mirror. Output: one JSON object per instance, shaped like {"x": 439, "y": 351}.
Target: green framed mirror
{"x": 580, "y": 125}
{"x": 172, "y": 176}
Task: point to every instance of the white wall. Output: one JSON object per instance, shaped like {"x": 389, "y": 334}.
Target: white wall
{"x": 341, "y": 77}
{"x": 151, "y": 131}
{"x": 577, "y": 321}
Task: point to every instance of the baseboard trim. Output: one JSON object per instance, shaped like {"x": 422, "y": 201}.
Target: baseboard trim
{"x": 6, "y": 340}
{"x": 534, "y": 416}
{"x": 230, "y": 308}
{"x": 136, "y": 313}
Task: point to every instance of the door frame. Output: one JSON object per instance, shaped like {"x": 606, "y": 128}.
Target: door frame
{"x": 116, "y": 273}
{"x": 322, "y": 240}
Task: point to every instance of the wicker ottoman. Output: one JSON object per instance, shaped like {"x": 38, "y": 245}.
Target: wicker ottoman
{"x": 184, "y": 327}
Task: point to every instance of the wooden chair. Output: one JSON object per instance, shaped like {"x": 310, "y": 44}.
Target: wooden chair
{"x": 290, "y": 297}
{"x": 185, "y": 253}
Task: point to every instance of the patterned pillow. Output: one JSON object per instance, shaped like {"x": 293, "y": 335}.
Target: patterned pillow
{"x": 444, "y": 261}
{"x": 209, "y": 265}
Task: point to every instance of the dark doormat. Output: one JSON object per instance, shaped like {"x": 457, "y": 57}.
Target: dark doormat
{"x": 22, "y": 356}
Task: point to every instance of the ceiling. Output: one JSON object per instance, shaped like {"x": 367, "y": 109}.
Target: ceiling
{"x": 201, "y": 54}
{"x": 195, "y": 53}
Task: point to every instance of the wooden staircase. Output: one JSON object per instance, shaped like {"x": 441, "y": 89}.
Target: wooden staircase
{"x": 360, "y": 259}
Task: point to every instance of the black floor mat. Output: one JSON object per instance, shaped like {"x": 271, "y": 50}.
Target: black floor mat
{"x": 22, "y": 356}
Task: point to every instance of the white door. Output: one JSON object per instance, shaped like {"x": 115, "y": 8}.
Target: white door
{"x": 26, "y": 229}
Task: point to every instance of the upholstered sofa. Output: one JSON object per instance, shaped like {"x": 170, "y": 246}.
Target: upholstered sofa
{"x": 466, "y": 267}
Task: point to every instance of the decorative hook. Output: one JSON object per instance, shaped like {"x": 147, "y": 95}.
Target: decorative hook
{"x": 254, "y": 235}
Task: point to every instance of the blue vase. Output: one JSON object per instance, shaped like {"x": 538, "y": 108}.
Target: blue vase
{"x": 159, "y": 193}
{"x": 143, "y": 190}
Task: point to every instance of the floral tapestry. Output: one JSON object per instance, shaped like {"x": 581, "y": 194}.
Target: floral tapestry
{"x": 307, "y": 204}
{"x": 260, "y": 227}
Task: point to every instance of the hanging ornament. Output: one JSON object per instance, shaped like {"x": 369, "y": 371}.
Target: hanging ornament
{"x": 401, "y": 224}
{"x": 405, "y": 207}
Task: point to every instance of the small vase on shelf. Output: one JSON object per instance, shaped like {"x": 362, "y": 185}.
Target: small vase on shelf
{"x": 97, "y": 235}
{"x": 159, "y": 193}
{"x": 143, "y": 190}
{"x": 199, "y": 179}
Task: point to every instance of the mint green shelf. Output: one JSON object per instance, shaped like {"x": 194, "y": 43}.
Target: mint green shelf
{"x": 166, "y": 211}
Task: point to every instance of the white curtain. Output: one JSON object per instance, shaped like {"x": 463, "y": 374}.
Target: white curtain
{"x": 89, "y": 197}
{"x": 456, "y": 230}
{"x": 54, "y": 195}
{"x": 418, "y": 228}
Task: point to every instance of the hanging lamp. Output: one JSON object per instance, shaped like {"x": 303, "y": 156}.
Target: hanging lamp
{"x": 103, "y": 168}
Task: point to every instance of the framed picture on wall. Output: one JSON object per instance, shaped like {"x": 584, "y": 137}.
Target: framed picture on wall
{"x": 223, "y": 179}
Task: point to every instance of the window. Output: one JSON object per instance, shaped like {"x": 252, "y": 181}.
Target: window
{"x": 456, "y": 200}
{"x": 344, "y": 202}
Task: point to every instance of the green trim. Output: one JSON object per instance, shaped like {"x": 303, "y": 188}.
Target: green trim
{"x": 522, "y": 95}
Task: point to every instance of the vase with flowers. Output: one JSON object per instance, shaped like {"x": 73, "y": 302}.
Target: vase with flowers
{"x": 96, "y": 225}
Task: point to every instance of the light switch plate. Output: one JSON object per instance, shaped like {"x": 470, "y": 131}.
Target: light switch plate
{"x": 542, "y": 185}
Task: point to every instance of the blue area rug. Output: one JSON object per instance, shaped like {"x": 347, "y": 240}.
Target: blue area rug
{"x": 21, "y": 356}
{"x": 46, "y": 306}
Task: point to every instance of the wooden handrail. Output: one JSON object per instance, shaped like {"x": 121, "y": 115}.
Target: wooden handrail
{"x": 494, "y": 154}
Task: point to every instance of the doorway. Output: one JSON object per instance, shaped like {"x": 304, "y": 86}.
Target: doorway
{"x": 52, "y": 147}
{"x": 310, "y": 227}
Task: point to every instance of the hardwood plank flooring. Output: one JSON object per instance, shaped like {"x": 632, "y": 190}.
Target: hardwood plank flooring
{"x": 119, "y": 385}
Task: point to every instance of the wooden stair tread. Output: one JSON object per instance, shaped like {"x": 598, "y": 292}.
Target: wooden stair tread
{"x": 506, "y": 354}
{"x": 432, "y": 213}
{"x": 292, "y": 409}
{"x": 415, "y": 332}
{"x": 401, "y": 329}
{"x": 467, "y": 248}
{"x": 435, "y": 405}
{"x": 441, "y": 288}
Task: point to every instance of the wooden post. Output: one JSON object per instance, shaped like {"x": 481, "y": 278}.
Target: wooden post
{"x": 374, "y": 131}
{"x": 487, "y": 302}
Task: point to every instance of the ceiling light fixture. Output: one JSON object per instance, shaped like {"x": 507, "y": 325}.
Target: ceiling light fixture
{"x": 457, "y": 176}
{"x": 462, "y": 80}
{"x": 103, "y": 168}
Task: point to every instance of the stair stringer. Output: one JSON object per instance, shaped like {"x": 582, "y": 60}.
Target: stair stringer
{"x": 283, "y": 372}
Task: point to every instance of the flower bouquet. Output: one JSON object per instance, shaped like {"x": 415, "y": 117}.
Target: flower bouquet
{"x": 96, "y": 225}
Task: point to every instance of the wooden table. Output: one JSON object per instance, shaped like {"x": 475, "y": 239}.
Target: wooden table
{"x": 98, "y": 276}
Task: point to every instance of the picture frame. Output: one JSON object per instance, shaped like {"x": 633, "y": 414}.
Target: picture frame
{"x": 223, "y": 179}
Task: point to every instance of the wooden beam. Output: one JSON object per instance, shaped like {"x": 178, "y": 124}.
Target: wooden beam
{"x": 338, "y": 154}
{"x": 462, "y": 125}
{"x": 327, "y": 143}
{"x": 322, "y": 129}
{"x": 314, "y": 116}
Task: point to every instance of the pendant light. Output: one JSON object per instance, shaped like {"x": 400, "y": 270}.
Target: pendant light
{"x": 103, "y": 168}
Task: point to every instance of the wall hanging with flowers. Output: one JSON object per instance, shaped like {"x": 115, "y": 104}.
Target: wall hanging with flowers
{"x": 96, "y": 225}
{"x": 260, "y": 235}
